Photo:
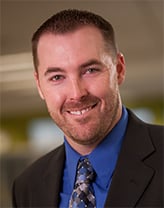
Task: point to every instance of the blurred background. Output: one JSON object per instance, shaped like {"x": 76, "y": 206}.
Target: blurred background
{"x": 26, "y": 130}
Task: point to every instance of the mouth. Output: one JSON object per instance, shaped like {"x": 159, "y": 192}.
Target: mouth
{"x": 82, "y": 111}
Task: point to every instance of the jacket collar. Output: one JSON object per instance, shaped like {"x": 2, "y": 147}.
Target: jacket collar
{"x": 131, "y": 175}
{"x": 52, "y": 177}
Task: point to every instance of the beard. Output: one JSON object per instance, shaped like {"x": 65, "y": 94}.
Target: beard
{"x": 90, "y": 129}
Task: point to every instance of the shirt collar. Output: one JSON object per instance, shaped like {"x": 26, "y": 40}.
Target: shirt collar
{"x": 72, "y": 158}
{"x": 104, "y": 156}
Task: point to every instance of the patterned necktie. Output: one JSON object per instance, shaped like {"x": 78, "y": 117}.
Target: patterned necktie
{"x": 82, "y": 195}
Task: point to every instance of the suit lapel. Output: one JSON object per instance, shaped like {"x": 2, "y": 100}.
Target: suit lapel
{"x": 132, "y": 176}
{"x": 53, "y": 178}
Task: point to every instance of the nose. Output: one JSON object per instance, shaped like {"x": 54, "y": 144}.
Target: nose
{"x": 77, "y": 89}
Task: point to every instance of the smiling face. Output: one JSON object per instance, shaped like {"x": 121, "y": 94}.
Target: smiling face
{"x": 79, "y": 82}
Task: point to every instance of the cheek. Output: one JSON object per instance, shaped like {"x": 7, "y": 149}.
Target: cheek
{"x": 101, "y": 88}
{"x": 107, "y": 92}
{"x": 53, "y": 98}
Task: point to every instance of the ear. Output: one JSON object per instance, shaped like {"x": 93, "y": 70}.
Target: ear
{"x": 36, "y": 76}
{"x": 121, "y": 69}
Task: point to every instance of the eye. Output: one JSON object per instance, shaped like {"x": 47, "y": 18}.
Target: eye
{"x": 57, "y": 77}
{"x": 91, "y": 70}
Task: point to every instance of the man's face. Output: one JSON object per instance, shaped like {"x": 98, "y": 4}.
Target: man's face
{"x": 79, "y": 82}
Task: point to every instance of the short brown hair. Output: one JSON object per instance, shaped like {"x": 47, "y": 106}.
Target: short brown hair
{"x": 69, "y": 20}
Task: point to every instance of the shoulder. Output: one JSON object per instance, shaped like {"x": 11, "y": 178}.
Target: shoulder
{"x": 155, "y": 132}
{"x": 156, "y": 129}
{"x": 29, "y": 188}
{"x": 43, "y": 164}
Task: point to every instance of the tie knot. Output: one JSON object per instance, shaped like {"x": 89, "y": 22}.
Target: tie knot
{"x": 85, "y": 173}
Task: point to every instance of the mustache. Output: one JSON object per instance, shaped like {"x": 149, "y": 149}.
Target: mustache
{"x": 83, "y": 102}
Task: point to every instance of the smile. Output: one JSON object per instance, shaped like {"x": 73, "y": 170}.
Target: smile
{"x": 83, "y": 111}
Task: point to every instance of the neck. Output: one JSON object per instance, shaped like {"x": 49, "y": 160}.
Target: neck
{"x": 81, "y": 148}
{"x": 86, "y": 149}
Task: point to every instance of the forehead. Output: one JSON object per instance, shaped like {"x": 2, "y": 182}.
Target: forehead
{"x": 81, "y": 35}
{"x": 77, "y": 46}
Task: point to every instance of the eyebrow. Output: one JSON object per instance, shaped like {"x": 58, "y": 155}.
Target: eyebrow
{"x": 84, "y": 65}
{"x": 53, "y": 69}
{"x": 91, "y": 62}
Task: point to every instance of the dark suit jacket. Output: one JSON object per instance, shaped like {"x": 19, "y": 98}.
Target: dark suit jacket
{"x": 137, "y": 180}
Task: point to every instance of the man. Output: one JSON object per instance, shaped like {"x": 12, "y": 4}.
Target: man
{"x": 78, "y": 71}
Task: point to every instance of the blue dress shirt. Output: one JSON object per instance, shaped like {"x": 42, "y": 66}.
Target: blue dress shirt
{"x": 103, "y": 159}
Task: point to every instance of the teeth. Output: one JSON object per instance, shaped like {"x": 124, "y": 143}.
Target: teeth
{"x": 80, "y": 112}
{"x": 76, "y": 112}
